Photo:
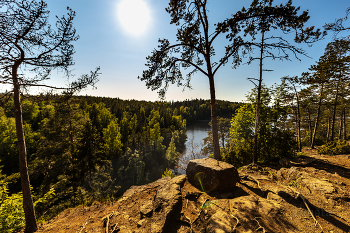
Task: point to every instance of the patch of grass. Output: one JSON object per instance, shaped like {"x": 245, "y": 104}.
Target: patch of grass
{"x": 294, "y": 183}
{"x": 272, "y": 174}
{"x": 299, "y": 154}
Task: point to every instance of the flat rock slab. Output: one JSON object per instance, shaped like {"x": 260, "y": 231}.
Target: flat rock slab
{"x": 211, "y": 175}
{"x": 167, "y": 199}
{"x": 322, "y": 186}
{"x": 220, "y": 222}
{"x": 251, "y": 210}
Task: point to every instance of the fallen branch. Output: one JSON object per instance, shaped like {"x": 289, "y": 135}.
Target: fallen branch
{"x": 200, "y": 211}
{"x": 307, "y": 206}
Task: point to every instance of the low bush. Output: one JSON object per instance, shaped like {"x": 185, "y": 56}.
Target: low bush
{"x": 335, "y": 148}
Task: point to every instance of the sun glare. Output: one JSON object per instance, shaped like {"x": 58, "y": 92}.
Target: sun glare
{"x": 134, "y": 16}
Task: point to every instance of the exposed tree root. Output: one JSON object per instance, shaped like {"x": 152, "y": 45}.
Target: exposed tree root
{"x": 105, "y": 220}
{"x": 260, "y": 227}
{"x": 234, "y": 228}
{"x": 255, "y": 180}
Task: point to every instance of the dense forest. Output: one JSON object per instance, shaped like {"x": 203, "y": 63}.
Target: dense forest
{"x": 87, "y": 148}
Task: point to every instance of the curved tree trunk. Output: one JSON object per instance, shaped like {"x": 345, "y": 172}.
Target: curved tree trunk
{"x": 28, "y": 206}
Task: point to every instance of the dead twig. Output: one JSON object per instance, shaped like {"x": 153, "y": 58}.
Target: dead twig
{"x": 83, "y": 227}
{"x": 307, "y": 206}
{"x": 200, "y": 211}
{"x": 260, "y": 227}
{"x": 115, "y": 229}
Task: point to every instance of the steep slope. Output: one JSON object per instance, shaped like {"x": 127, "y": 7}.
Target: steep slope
{"x": 267, "y": 199}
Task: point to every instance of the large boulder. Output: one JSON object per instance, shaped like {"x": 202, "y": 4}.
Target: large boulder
{"x": 211, "y": 175}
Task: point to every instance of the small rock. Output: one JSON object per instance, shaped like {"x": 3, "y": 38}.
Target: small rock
{"x": 220, "y": 222}
{"x": 284, "y": 162}
{"x": 141, "y": 222}
{"x": 274, "y": 197}
{"x": 209, "y": 174}
{"x": 146, "y": 209}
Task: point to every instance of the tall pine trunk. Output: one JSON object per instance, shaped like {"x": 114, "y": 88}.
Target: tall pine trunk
{"x": 344, "y": 128}
{"x": 334, "y": 111}
{"x": 298, "y": 118}
{"x": 340, "y": 125}
{"x": 328, "y": 129}
{"x": 257, "y": 110}
{"x": 28, "y": 206}
{"x": 317, "y": 118}
{"x": 309, "y": 121}
{"x": 214, "y": 124}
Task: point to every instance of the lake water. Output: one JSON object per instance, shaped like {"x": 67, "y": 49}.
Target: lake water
{"x": 195, "y": 134}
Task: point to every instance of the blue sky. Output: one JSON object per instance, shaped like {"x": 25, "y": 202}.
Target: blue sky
{"x": 121, "y": 54}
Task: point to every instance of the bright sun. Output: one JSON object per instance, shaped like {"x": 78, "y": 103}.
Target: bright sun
{"x": 134, "y": 16}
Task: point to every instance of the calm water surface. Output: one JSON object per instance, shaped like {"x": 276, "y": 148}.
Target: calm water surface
{"x": 195, "y": 134}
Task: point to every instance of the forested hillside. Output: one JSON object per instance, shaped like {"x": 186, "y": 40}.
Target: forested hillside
{"x": 92, "y": 148}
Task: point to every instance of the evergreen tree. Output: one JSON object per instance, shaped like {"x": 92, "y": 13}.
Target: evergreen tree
{"x": 171, "y": 154}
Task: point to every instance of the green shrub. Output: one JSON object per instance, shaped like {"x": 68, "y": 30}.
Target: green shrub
{"x": 11, "y": 210}
{"x": 299, "y": 154}
{"x": 11, "y": 205}
{"x": 334, "y": 148}
{"x": 319, "y": 141}
{"x": 169, "y": 173}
